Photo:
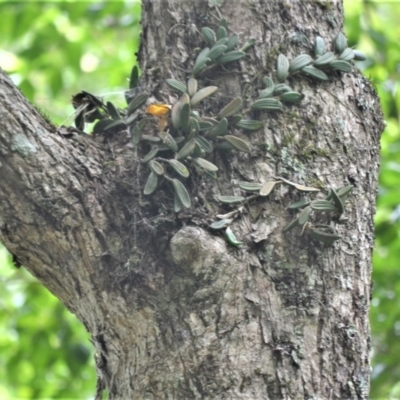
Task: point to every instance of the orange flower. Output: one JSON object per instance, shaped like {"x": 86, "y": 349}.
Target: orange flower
{"x": 158, "y": 110}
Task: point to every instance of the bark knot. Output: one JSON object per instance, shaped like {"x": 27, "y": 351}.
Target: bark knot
{"x": 194, "y": 248}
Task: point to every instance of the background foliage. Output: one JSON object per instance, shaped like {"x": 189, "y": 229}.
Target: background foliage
{"x": 52, "y": 51}
{"x": 374, "y": 28}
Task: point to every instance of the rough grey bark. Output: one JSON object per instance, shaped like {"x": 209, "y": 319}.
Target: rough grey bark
{"x": 174, "y": 311}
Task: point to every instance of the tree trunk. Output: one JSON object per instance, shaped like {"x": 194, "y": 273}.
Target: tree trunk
{"x": 174, "y": 311}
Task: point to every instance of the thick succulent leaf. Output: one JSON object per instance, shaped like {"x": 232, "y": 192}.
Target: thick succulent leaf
{"x": 206, "y": 165}
{"x": 137, "y": 102}
{"x": 101, "y": 124}
{"x": 322, "y": 205}
{"x": 151, "y": 183}
{"x": 177, "y": 85}
{"x": 192, "y": 87}
{"x": 156, "y": 167}
{"x": 230, "y": 199}
{"x": 231, "y": 238}
{"x": 314, "y": 73}
{"x": 134, "y": 78}
{"x": 112, "y": 110}
{"x": 181, "y": 193}
{"x": 250, "y": 124}
{"x": 231, "y": 56}
{"x": 151, "y": 154}
{"x": 187, "y": 149}
{"x": 282, "y": 68}
{"x": 304, "y": 215}
{"x": 223, "y": 223}
{"x": 115, "y": 125}
{"x": 299, "y": 204}
{"x": 324, "y": 237}
{"x": 237, "y": 143}
{"x": 204, "y": 144}
{"x": 202, "y": 94}
{"x": 231, "y": 108}
{"x": 267, "y": 104}
{"x": 219, "y": 130}
{"x": 250, "y": 186}
{"x": 208, "y": 35}
{"x": 180, "y": 168}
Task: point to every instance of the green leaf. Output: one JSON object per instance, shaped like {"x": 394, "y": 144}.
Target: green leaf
{"x": 237, "y": 143}
{"x": 177, "y": 203}
{"x": 324, "y": 237}
{"x": 291, "y": 225}
{"x": 187, "y": 149}
{"x": 218, "y": 130}
{"x": 204, "y": 125}
{"x": 231, "y": 56}
{"x": 206, "y": 165}
{"x": 184, "y": 117}
{"x": 204, "y": 144}
{"x": 208, "y": 35}
{"x": 338, "y": 203}
{"x": 231, "y": 108}
{"x": 359, "y": 55}
{"x": 202, "y": 94}
{"x": 115, "y": 125}
{"x": 216, "y": 51}
{"x": 230, "y": 199}
{"x": 112, "y": 110}
{"x": 282, "y": 68}
{"x": 137, "y": 132}
{"x": 299, "y": 204}
{"x": 267, "y": 104}
{"x": 101, "y": 124}
{"x": 232, "y": 42}
{"x": 156, "y": 167}
{"x": 315, "y": 73}
{"x": 223, "y": 223}
{"x": 180, "y": 168}
{"x": 177, "y": 85}
{"x": 304, "y": 215}
{"x": 347, "y": 54}
{"x": 322, "y": 205}
{"x": 151, "y": 183}
{"x": 231, "y": 238}
{"x": 340, "y": 65}
{"x": 250, "y": 186}
{"x": 169, "y": 141}
{"x": 325, "y": 59}
{"x": 221, "y": 33}
{"x": 291, "y": 97}
{"x": 281, "y": 88}
{"x": 300, "y": 62}
{"x": 181, "y": 193}
{"x": 151, "y": 154}
{"x": 194, "y": 126}
{"x": 137, "y": 102}
{"x": 340, "y": 43}
{"x": 319, "y": 47}
{"x": 201, "y": 61}
{"x": 192, "y": 87}
{"x": 133, "y": 81}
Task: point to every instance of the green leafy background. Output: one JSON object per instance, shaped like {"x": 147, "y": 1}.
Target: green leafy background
{"x": 53, "y": 50}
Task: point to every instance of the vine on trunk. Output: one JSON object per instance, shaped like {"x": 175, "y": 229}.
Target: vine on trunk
{"x": 186, "y": 136}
